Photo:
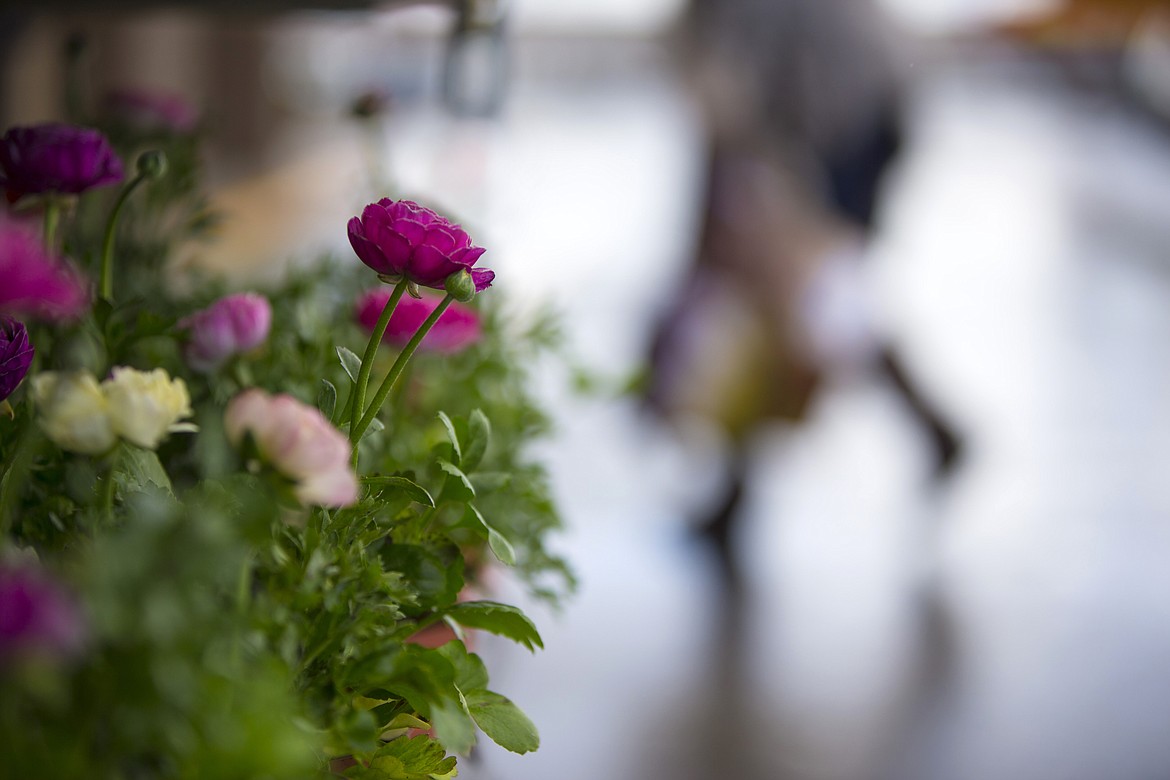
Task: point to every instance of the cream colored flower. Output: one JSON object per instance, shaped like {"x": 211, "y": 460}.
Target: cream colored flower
{"x": 144, "y": 405}
{"x": 74, "y": 412}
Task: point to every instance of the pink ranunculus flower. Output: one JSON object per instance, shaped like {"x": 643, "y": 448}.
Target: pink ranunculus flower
{"x": 232, "y": 325}
{"x": 297, "y": 441}
{"x": 455, "y": 329}
{"x": 34, "y": 283}
{"x": 403, "y": 239}
{"x": 56, "y": 158}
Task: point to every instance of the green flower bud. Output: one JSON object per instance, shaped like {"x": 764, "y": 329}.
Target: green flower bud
{"x": 460, "y": 286}
{"x": 152, "y": 164}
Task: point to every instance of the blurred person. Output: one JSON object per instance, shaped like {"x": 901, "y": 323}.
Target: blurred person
{"x": 802, "y": 101}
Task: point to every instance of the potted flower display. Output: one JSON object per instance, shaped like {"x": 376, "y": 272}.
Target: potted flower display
{"x": 242, "y": 533}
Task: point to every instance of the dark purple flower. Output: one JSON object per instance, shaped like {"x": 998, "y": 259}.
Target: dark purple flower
{"x": 233, "y": 324}
{"x": 401, "y": 238}
{"x": 38, "y": 618}
{"x": 56, "y": 158}
{"x": 16, "y": 354}
{"x": 455, "y": 329}
{"x": 34, "y": 283}
{"x": 147, "y": 110}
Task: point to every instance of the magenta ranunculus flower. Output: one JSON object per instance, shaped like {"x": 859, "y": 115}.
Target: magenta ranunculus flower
{"x": 146, "y": 110}
{"x": 455, "y": 329}
{"x": 297, "y": 441}
{"x": 38, "y": 618}
{"x": 34, "y": 283}
{"x": 16, "y": 354}
{"x": 64, "y": 159}
{"x": 232, "y": 325}
{"x": 403, "y": 239}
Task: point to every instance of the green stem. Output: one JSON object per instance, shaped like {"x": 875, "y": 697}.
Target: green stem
{"x": 363, "y": 378}
{"x": 52, "y": 217}
{"x": 243, "y": 604}
{"x": 396, "y": 370}
{"x": 108, "y": 487}
{"x": 106, "y": 285}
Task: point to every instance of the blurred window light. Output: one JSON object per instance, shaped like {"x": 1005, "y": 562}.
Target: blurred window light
{"x": 944, "y": 16}
{"x": 624, "y": 17}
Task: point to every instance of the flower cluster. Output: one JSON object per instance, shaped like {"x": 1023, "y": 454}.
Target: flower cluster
{"x": 305, "y": 554}
{"x": 80, "y": 415}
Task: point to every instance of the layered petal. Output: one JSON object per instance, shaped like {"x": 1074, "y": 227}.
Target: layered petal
{"x": 56, "y": 158}
{"x": 298, "y": 442}
{"x": 403, "y": 239}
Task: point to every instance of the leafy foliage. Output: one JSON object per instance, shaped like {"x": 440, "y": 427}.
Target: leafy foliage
{"x": 231, "y": 632}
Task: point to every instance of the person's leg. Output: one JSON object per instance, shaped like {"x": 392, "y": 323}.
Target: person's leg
{"x": 946, "y": 443}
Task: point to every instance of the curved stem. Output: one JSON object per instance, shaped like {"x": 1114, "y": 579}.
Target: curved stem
{"x": 106, "y": 285}
{"x": 363, "y": 379}
{"x": 396, "y": 370}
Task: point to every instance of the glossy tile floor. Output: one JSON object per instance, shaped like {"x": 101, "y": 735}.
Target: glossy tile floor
{"x": 1012, "y": 623}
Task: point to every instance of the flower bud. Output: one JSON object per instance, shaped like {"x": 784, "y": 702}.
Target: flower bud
{"x": 16, "y": 355}
{"x": 460, "y": 285}
{"x": 73, "y": 412}
{"x": 152, "y": 164}
{"x": 143, "y": 405}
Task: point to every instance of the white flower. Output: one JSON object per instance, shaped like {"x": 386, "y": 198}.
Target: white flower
{"x": 74, "y": 412}
{"x": 144, "y": 405}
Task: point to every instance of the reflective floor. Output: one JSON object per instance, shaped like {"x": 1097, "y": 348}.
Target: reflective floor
{"x": 1013, "y": 622}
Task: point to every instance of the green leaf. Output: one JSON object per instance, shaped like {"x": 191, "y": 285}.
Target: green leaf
{"x": 499, "y": 545}
{"x": 502, "y": 619}
{"x": 437, "y": 582}
{"x": 502, "y": 721}
{"x": 142, "y": 467}
{"x": 350, "y": 362}
{"x": 376, "y": 426}
{"x": 415, "y": 491}
{"x": 479, "y": 432}
{"x": 490, "y": 481}
{"x": 454, "y": 437}
{"x": 417, "y": 758}
{"x": 464, "y": 491}
{"x": 327, "y": 399}
{"x": 453, "y": 726}
{"x": 470, "y": 673}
